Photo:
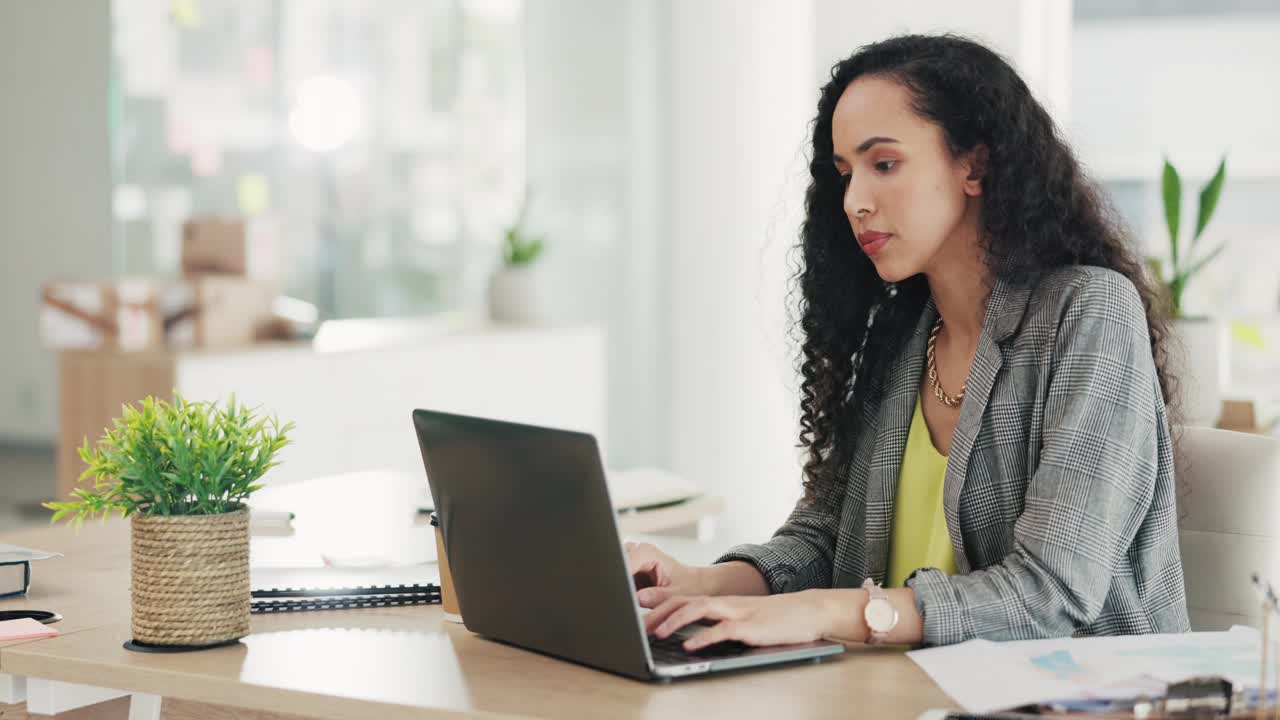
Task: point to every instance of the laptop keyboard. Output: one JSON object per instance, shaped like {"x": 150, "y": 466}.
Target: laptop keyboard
{"x": 670, "y": 651}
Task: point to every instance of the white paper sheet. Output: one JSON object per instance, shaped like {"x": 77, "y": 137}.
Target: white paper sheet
{"x": 984, "y": 676}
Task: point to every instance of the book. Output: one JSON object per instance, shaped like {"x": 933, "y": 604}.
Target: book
{"x": 15, "y": 568}
{"x": 15, "y": 578}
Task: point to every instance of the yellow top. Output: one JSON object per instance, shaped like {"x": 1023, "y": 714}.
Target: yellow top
{"x": 919, "y": 537}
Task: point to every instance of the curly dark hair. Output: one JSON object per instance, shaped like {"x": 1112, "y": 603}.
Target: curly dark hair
{"x": 976, "y": 98}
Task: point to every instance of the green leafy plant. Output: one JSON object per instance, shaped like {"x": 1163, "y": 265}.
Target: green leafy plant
{"x": 1183, "y": 263}
{"x": 519, "y": 248}
{"x": 184, "y": 458}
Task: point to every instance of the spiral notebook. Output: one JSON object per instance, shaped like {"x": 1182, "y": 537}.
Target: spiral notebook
{"x": 300, "y": 590}
{"x": 278, "y": 600}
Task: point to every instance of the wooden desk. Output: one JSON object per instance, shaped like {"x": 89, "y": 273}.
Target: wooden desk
{"x": 412, "y": 664}
{"x": 84, "y": 587}
{"x": 404, "y": 662}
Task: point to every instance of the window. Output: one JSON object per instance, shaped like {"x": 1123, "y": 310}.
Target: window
{"x": 1191, "y": 80}
{"x": 378, "y": 144}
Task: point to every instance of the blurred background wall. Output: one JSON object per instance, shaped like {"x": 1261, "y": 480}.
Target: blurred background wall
{"x": 661, "y": 146}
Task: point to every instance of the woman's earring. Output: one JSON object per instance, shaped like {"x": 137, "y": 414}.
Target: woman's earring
{"x": 856, "y": 360}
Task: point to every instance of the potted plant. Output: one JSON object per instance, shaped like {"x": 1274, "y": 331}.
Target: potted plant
{"x": 517, "y": 289}
{"x": 182, "y": 473}
{"x": 1202, "y": 362}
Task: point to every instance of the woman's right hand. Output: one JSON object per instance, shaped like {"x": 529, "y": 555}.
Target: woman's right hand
{"x": 658, "y": 576}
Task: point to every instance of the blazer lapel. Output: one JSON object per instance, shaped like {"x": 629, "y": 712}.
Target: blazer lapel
{"x": 1004, "y": 313}
{"x": 896, "y": 409}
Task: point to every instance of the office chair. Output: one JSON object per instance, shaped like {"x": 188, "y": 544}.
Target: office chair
{"x": 1229, "y": 523}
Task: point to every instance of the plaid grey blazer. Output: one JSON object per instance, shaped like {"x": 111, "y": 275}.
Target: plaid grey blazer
{"x": 1059, "y": 491}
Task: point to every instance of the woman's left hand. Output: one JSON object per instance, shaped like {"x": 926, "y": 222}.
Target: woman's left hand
{"x": 767, "y": 620}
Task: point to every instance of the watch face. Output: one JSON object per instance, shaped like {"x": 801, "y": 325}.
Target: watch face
{"x": 881, "y": 617}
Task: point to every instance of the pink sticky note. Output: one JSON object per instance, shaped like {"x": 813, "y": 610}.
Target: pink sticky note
{"x": 25, "y": 629}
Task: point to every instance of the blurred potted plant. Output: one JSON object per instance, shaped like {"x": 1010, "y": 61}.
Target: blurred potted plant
{"x": 517, "y": 289}
{"x": 1203, "y": 359}
{"x": 182, "y": 472}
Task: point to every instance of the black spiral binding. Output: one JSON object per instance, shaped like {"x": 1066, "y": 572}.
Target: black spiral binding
{"x": 279, "y": 600}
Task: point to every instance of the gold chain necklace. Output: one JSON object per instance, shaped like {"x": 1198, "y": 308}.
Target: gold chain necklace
{"x": 938, "y": 392}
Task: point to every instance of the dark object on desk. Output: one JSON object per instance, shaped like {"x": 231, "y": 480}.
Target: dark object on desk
{"x": 1009, "y": 715}
{"x": 263, "y": 607}
{"x": 507, "y": 492}
{"x": 1198, "y": 697}
{"x": 15, "y": 578}
{"x": 136, "y": 646}
{"x": 15, "y": 568}
{"x": 45, "y": 616}
{"x": 448, "y": 596}
{"x": 331, "y": 592}
{"x": 278, "y": 600}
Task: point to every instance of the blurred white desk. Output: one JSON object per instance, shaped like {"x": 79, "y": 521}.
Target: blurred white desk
{"x": 371, "y": 519}
{"x": 693, "y": 518}
{"x": 351, "y": 401}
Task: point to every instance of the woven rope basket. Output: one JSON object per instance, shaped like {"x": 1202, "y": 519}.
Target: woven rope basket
{"x": 190, "y": 578}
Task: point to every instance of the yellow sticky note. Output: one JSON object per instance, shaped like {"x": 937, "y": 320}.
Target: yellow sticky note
{"x": 254, "y": 195}
{"x": 186, "y": 13}
{"x": 1248, "y": 334}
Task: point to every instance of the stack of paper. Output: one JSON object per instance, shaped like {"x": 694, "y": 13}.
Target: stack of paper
{"x": 984, "y": 676}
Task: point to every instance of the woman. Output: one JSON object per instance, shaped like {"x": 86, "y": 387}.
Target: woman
{"x": 983, "y": 388}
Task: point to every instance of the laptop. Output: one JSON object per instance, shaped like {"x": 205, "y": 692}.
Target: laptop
{"x": 535, "y": 555}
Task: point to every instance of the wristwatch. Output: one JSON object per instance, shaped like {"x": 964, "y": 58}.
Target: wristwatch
{"x": 880, "y": 614}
